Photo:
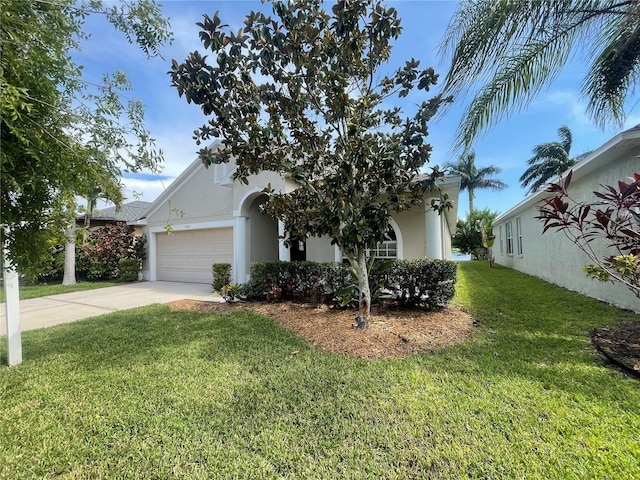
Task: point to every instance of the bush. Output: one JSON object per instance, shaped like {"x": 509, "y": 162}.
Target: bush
{"x": 425, "y": 283}
{"x": 221, "y": 275}
{"x": 128, "y": 269}
{"x": 413, "y": 283}
{"x": 99, "y": 258}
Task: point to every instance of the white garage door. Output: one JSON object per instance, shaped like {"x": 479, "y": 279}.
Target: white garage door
{"x": 187, "y": 256}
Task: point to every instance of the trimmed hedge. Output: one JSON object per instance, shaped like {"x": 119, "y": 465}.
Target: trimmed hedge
{"x": 426, "y": 283}
{"x": 221, "y": 275}
{"x": 128, "y": 269}
{"x": 423, "y": 283}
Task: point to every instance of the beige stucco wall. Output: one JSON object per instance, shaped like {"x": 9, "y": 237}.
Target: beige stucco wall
{"x": 320, "y": 250}
{"x": 552, "y": 256}
{"x": 262, "y": 232}
{"x": 199, "y": 199}
{"x": 412, "y": 226}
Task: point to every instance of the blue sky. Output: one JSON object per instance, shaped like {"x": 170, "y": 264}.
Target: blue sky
{"x": 507, "y": 145}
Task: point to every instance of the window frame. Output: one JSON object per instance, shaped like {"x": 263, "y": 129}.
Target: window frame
{"x": 519, "y": 248}
{"x": 509, "y": 236}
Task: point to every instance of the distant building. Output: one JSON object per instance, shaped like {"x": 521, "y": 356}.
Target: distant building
{"x": 128, "y": 212}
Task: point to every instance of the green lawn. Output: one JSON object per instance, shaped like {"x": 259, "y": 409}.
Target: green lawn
{"x": 150, "y": 393}
{"x": 35, "y": 291}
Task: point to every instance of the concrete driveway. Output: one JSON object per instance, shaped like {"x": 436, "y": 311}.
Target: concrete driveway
{"x": 69, "y": 307}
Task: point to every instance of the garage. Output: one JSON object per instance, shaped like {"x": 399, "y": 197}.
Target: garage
{"x": 187, "y": 256}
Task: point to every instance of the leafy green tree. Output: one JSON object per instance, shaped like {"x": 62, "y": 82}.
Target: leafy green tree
{"x": 474, "y": 178}
{"x": 515, "y": 47}
{"x": 308, "y": 92}
{"x": 61, "y": 133}
{"x": 549, "y": 159}
{"x": 468, "y": 236}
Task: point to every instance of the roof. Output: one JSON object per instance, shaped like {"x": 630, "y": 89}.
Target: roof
{"x": 625, "y": 141}
{"x": 126, "y": 213}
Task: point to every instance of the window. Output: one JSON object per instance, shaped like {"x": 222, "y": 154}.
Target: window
{"x": 519, "y": 236}
{"x": 501, "y": 241}
{"x": 509, "y": 229}
{"x": 388, "y": 248}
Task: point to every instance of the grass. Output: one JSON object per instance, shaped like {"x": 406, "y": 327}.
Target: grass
{"x": 150, "y": 393}
{"x": 35, "y": 291}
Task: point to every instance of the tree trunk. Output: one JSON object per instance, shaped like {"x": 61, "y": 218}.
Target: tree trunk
{"x": 69, "y": 256}
{"x": 364, "y": 301}
{"x": 470, "y": 200}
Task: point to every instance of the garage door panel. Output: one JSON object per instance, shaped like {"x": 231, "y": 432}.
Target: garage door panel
{"x": 188, "y": 256}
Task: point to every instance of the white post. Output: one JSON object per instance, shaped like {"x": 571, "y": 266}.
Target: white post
{"x": 284, "y": 254}
{"x": 433, "y": 234}
{"x": 12, "y": 306}
{"x": 240, "y": 250}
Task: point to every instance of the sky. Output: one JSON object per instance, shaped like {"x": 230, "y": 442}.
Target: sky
{"x": 507, "y": 145}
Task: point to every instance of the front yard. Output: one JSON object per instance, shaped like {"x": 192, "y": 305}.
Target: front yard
{"x": 153, "y": 393}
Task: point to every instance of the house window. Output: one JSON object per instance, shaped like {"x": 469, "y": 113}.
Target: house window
{"x": 509, "y": 230}
{"x": 501, "y": 241}
{"x": 519, "y": 236}
{"x": 387, "y": 248}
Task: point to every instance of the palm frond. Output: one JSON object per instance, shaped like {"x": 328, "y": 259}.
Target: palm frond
{"x": 538, "y": 38}
{"x": 616, "y": 68}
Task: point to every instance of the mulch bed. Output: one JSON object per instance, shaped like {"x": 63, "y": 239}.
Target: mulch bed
{"x": 620, "y": 345}
{"x": 392, "y": 333}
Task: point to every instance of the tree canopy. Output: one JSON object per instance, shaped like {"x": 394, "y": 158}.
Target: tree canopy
{"x": 513, "y": 48}
{"x": 473, "y": 177}
{"x": 549, "y": 159}
{"x": 60, "y": 133}
{"x": 308, "y": 93}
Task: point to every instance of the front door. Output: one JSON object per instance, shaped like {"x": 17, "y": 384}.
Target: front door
{"x": 298, "y": 251}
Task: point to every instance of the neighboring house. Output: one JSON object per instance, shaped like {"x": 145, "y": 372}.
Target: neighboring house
{"x": 128, "y": 212}
{"x": 521, "y": 245}
{"x": 214, "y": 219}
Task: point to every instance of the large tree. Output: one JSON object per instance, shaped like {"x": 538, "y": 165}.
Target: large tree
{"x": 473, "y": 178}
{"x": 549, "y": 159}
{"x": 308, "y": 92}
{"x": 513, "y": 48}
{"x": 60, "y": 132}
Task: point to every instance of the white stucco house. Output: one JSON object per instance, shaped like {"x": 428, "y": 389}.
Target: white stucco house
{"x": 521, "y": 245}
{"x": 215, "y": 219}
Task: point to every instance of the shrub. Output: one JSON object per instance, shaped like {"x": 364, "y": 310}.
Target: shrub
{"x": 221, "y": 275}
{"x": 414, "y": 283}
{"x": 425, "y": 283}
{"x": 100, "y": 257}
{"x": 128, "y": 269}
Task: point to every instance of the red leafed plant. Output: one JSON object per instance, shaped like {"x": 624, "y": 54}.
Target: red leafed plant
{"x": 612, "y": 219}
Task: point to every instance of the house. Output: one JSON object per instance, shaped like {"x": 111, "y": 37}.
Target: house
{"x": 128, "y": 212}
{"x": 214, "y": 218}
{"x": 521, "y": 245}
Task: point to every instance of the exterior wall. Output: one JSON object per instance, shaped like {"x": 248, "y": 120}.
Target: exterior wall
{"x": 412, "y": 226}
{"x": 198, "y": 200}
{"x": 262, "y": 232}
{"x": 320, "y": 250}
{"x": 552, "y": 256}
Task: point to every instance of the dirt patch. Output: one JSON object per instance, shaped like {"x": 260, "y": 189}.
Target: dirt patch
{"x": 392, "y": 333}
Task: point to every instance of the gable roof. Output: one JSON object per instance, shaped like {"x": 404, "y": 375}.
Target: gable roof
{"x": 624, "y": 142}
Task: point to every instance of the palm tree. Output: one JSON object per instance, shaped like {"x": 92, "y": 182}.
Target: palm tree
{"x": 549, "y": 159}
{"x": 522, "y": 45}
{"x": 474, "y": 178}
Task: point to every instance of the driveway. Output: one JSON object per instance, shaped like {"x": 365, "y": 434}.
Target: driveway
{"x": 69, "y": 307}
